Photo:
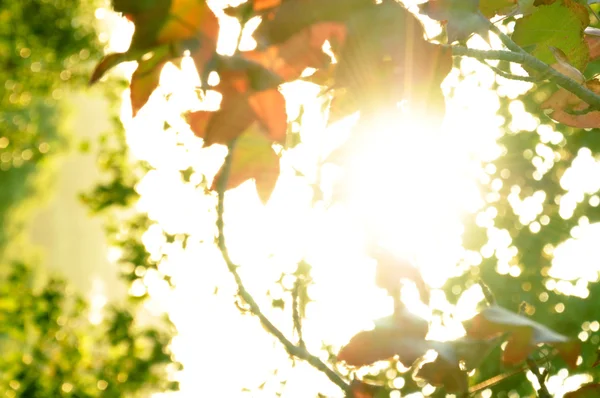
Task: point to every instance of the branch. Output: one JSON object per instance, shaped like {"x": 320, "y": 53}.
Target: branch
{"x": 297, "y": 351}
{"x": 525, "y": 59}
{"x": 508, "y": 75}
{"x": 543, "y": 391}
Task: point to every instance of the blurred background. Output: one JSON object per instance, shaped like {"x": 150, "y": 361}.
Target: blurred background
{"x": 111, "y": 284}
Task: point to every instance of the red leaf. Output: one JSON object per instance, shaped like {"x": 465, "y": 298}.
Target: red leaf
{"x": 253, "y": 158}
{"x": 523, "y": 335}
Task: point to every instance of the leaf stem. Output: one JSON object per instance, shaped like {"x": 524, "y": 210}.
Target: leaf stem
{"x": 296, "y": 351}
{"x": 525, "y": 59}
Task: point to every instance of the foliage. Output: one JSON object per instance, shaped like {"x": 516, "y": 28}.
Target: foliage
{"x": 382, "y": 59}
{"x": 51, "y": 349}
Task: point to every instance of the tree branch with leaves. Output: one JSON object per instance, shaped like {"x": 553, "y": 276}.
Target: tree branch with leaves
{"x": 381, "y": 58}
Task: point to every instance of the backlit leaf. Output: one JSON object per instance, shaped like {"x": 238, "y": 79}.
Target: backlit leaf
{"x": 146, "y": 77}
{"x": 523, "y": 335}
{"x": 400, "y": 334}
{"x": 293, "y": 16}
{"x": 489, "y": 8}
{"x": 301, "y": 51}
{"x": 462, "y": 17}
{"x": 563, "y": 103}
{"x": 107, "y": 63}
{"x": 253, "y": 158}
{"x": 446, "y": 374}
{"x": 566, "y": 33}
{"x": 563, "y": 66}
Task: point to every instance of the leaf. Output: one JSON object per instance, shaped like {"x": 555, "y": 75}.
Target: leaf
{"x": 399, "y": 334}
{"x": 253, "y": 158}
{"x": 301, "y": 51}
{"x": 269, "y": 109}
{"x": 490, "y": 8}
{"x": 472, "y": 352}
{"x": 566, "y": 34}
{"x": 292, "y": 16}
{"x": 446, "y": 374}
{"x": 523, "y": 335}
{"x": 391, "y": 271}
{"x": 365, "y": 390}
{"x": 462, "y": 17}
{"x": 146, "y": 77}
{"x": 107, "y": 63}
{"x": 563, "y": 103}
{"x": 586, "y": 391}
{"x": 563, "y": 66}
{"x": 592, "y": 39}
{"x": 386, "y": 60}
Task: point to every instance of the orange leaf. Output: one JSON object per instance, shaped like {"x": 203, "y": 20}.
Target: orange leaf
{"x": 253, "y": 158}
{"x": 586, "y": 391}
{"x": 562, "y": 103}
{"x": 301, "y": 51}
{"x": 523, "y": 335}
{"x": 592, "y": 38}
{"x": 198, "y": 122}
{"x": 146, "y": 77}
{"x": 186, "y": 18}
{"x": 233, "y": 118}
{"x": 269, "y": 108}
{"x": 400, "y": 334}
{"x": 292, "y": 16}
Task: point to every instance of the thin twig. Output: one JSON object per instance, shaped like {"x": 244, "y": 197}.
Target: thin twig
{"x": 543, "y": 391}
{"x": 296, "y": 312}
{"x": 487, "y": 292}
{"x": 511, "y": 76}
{"x": 525, "y": 59}
{"x": 508, "y": 75}
{"x": 507, "y": 41}
{"x": 297, "y": 351}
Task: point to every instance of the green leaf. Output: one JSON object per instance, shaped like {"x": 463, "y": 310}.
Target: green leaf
{"x": 559, "y": 25}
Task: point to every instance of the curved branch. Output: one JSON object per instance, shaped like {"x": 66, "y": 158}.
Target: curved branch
{"x": 297, "y": 351}
{"x": 525, "y": 59}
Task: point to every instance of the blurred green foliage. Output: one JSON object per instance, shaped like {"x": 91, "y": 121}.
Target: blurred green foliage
{"x": 50, "y": 347}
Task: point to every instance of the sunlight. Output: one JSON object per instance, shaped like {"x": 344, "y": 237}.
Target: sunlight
{"x": 405, "y": 188}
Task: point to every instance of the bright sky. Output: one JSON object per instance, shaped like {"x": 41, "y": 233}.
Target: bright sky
{"x": 410, "y": 198}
